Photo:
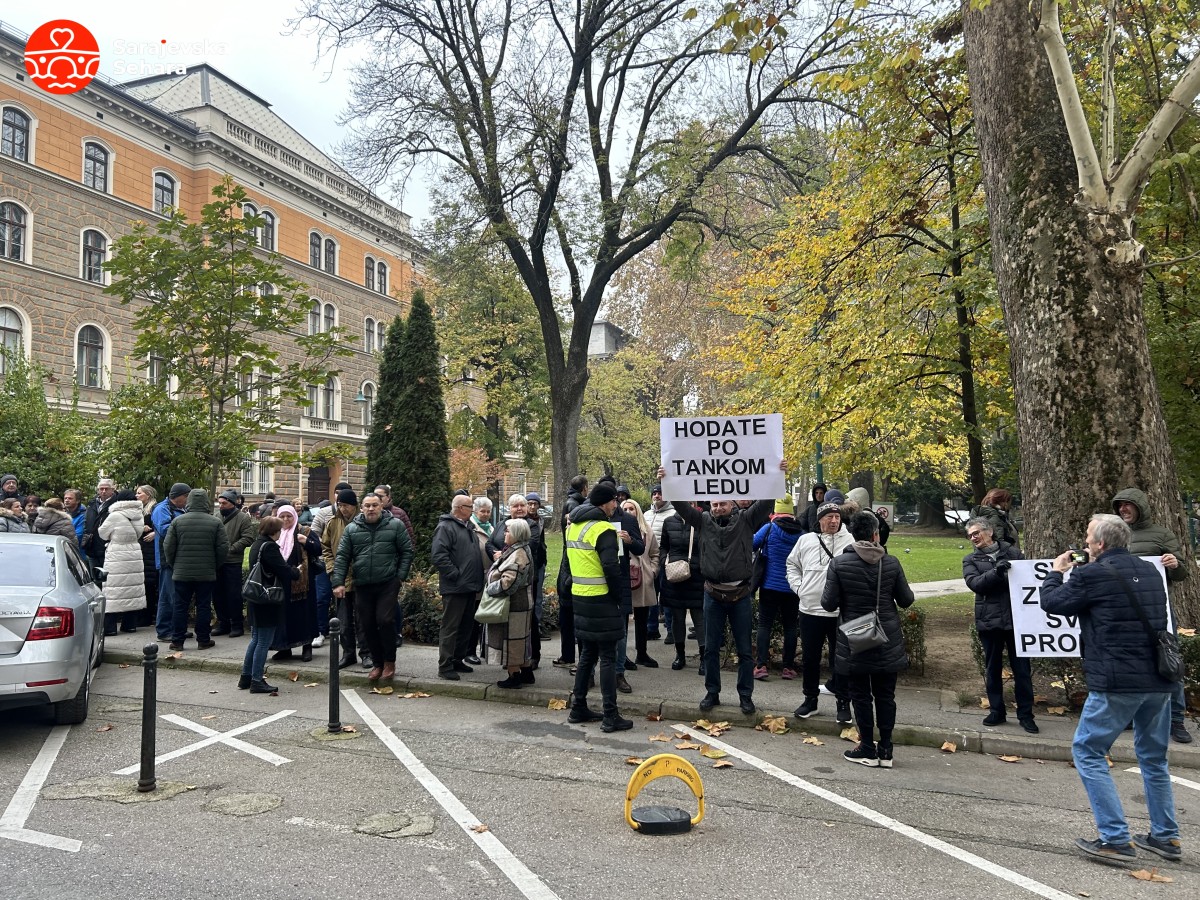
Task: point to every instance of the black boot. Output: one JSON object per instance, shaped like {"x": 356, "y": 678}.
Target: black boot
{"x": 261, "y": 687}
{"x": 680, "y": 658}
{"x": 243, "y": 682}
{"x": 527, "y": 676}
{"x": 581, "y": 715}
{"x": 701, "y": 671}
{"x": 346, "y": 661}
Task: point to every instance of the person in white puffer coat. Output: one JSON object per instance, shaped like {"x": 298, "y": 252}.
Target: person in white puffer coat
{"x": 125, "y": 588}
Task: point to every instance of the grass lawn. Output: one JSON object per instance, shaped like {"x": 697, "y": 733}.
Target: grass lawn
{"x": 929, "y": 558}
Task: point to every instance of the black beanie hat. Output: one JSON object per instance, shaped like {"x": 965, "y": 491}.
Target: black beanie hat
{"x": 602, "y": 493}
{"x": 179, "y": 489}
{"x": 346, "y": 495}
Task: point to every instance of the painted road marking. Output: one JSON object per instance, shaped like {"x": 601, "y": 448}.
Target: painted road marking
{"x": 265, "y": 755}
{"x": 525, "y": 881}
{"x": 12, "y": 823}
{"x": 1016, "y": 878}
{"x": 1194, "y": 785}
{"x": 215, "y": 738}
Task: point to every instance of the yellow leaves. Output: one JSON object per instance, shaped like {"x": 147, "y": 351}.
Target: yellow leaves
{"x": 414, "y": 695}
{"x": 556, "y": 703}
{"x": 722, "y": 764}
{"x": 385, "y": 690}
{"x": 654, "y": 717}
{"x": 1056, "y": 710}
{"x": 849, "y": 734}
{"x": 1009, "y": 759}
{"x": 688, "y": 745}
{"x": 349, "y": 729}
{"x": 293, "y": 676}
{"x": 1151, "y": 875}
{"x": 816, "y": 742}
{"x": 480, "y": 828}
{"x": 773, "y": 724}
{"x": 662, "y": 738}
{"x": 714, "y": 729}
{"x": 634, "y": 760}
{"x": 949, "y": 747}
{"x": 713, "y": 752}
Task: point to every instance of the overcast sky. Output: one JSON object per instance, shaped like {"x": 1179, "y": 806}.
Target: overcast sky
{"x": 242, "y": 38}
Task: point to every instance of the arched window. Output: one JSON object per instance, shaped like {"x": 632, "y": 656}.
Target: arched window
{"x": 330, "y": 256}
{"x": 14, "y": 140}
{"x": 380, "y": 332}
{"x": 156, "y": 370}
{"x": 249, "y": 211}
{"x": 369, "y": 274}
{"x": 381, "y": 280}
{"x": 12, "y": 335}
{"x": 314, "y": 317}
{"x": 95, "y": 249}
{"x": 95, "y": 167}
{"x": 266, "y": 289}
{"x": 368, "y": 408}
{"x": 89, "y": 357}
{"x": 268, "y": 231}
{"x": 330, "y": 317}
{"x": 164, "y": 192}
{"x": 12, "y": 232}
{"x": 369, "y": 335}
{"x": 322, "y": 400}
{"x": 314, "y": 250}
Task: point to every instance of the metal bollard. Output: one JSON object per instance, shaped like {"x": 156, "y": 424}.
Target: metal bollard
{"x": 146, "y": 779}
{"x": 335, "y": 698}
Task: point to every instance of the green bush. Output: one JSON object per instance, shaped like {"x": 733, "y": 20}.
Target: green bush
{"x": 422, "y": 607}
{"x": 912, "y": 622}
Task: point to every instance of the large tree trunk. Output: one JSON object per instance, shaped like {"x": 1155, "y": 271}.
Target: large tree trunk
{"x": 1089, "y": 419}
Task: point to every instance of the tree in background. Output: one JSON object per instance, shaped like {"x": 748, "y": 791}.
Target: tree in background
{"x": 471, "y": 470}
{"x": 407, "y": 447}
{"x": 46, "y": 444}
{"x": 222, "y": 319}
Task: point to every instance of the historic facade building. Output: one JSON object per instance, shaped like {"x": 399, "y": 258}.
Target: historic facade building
{"x": 76, "y": 170}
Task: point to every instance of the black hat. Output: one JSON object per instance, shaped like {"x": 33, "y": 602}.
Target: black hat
{"x": 179, "y": 489}
{"x": 607, "y": 479}
{"x": 621, "y": 489}
{"x": 231, "y": 495}
{"x": 826, "y": 508}
{"x": 602, "y": 493}
{"x": 346, "y": 495}
{"x": 657, "y": 489}
{"x": 342, "y": 485}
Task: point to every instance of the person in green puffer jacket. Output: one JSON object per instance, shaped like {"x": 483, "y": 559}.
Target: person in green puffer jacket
{"x": 1151, "y": 539}
{"x": 194, "y": 547}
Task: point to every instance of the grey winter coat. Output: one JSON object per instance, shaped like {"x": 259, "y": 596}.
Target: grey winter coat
{"x": 54, "y": 521}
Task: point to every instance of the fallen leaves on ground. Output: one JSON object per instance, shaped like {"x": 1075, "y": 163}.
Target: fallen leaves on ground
{"x": 816, "y": 742}
{"x": 293, "y": 676}
{"x": 713, "y": 753}
{"x": 1056, "y": 710}
{"x": 385, "y": 690}
{"x": 688, "y": 745}
{"x": 634, "y": 760}
{"x": 107, "y": 727}
{"x": 722, "y": 764}
{"x": 1057, "y": 684}
{"x": 206, "y": 718}
{"x": 349, "y": 729}
{"x": 1151, "y": 875}
{"x": 1188, "y": 632}
{"x": 1040, "y": 698}
{"x": 654, "y": 717}
{"x": 556, "y": 703}
{"x": 1009, "y": 758}
{"x": 123, "y": 666}
{"x": 714, "y": 729}
{"x": 773, "y": 724}
{"x": 949, "y": 747}
{"x": 178, "y": 654}
{"x": 414, "y": 695}
{"x": 849, "y": 734}
{"x": 480, "y": 828}
{"x": 311, "y": 684}
{"x": 661, "y": 738}
{"x": 984, "y": 703}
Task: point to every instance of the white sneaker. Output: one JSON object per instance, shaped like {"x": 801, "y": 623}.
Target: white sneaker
{"x": 319, "y": 641}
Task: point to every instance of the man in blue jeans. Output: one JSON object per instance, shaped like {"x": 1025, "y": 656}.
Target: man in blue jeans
{"x": 161, "y": 517}
{"x": 1120, "y": 667}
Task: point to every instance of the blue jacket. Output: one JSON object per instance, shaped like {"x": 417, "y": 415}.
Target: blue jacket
{"x": 79, "y": 520}
{"x": 775, "y": 541}
{"x": 162, "y": 516}
{"x": 1118, "y": 655}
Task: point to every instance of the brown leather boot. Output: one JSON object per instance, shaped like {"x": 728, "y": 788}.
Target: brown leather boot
{"x": 374, "y": 674}
{"x": 389, "y": 671}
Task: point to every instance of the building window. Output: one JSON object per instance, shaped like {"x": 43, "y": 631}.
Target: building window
{"x": 322, "y": 400}
{"x": 381, "y": 281}
{"x": 95, "y": 248}
{"x": 368, "y": 408}
{"x": 266, "y": 289}
{"x": 268, "y": 231}
{"x": 369, "y": 274}
{"x": 95, "y": 167}
{"x": 89, "y": 357}
{"x": 156, "y": 370}
{"x": 15, "y": 139}
{"x": 12, "y": 232}
{"x": 164, "y": 192}
{"x": 330, "y": 317}
{"x": 521, "y": 484}
{"x": 369, "y": 335}
{"x": 380, "y": 332}
{"x": 249, "y": 211}
{"x": 330, "y": 256}
{"x": 12, "y": 335}
{"x": 257, "y": 472}
{"x": 314, "y": 250}
{"x": 314, "y": 317}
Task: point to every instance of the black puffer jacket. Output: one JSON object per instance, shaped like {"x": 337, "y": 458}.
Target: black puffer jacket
{"x": 1002, "y": 527}
{"x": 455, "y": 553}
{"x": 993, "y": 611}
{"x": 683, "y": 594}
{"x": 850, "y": 588}
{"x": 537, "y": 540}
{"x": 600, "y": 618}
{"x": 1118, "y": 656}
{"x": 195, "y": 546}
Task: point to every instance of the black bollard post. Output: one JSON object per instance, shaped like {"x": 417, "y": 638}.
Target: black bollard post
{"x": 335, "y": 697}
{"x": 146, "y": 779}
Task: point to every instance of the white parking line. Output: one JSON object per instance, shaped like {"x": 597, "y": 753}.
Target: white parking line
{"x": 1194, "y": 785}
{"x": 1016, "y": 878}
{"x": 12, "y": 823}
{"x": 517, "y": 872}
{"x": 208, "y": 741}
{"x": 265, "y": 755}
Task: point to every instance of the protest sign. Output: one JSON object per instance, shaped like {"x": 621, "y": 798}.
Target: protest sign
{"x": 723, "y": 457}
{"x": 1039, "y": 633}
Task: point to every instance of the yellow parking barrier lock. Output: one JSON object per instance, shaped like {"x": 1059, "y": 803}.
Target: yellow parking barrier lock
{"x": 663, "y": 819}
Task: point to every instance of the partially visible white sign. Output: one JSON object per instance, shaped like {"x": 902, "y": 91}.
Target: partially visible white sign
{"x": 723, "y": 457}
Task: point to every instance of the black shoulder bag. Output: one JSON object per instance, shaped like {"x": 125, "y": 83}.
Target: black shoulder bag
{"x": 866, "y": 632}
{"x": 1167, "y": 655}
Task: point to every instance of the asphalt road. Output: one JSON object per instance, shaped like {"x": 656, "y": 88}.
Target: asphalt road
{"x": 788, "y": 818}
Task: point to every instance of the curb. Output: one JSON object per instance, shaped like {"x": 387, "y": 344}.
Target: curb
{"x": 969, "y": 740}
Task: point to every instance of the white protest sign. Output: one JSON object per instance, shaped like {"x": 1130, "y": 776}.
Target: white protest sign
{"x": 723, "y": 457}
{"x": 1040, "y": 633}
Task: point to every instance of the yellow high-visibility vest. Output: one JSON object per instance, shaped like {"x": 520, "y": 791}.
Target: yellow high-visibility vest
{"x": 587, "y": 575}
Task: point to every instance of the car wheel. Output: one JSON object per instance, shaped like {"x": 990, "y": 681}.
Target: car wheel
{"x": 75, "y": 710}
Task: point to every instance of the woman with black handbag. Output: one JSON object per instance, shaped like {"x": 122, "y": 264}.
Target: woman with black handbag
{"x": 264, "y": 618}
{"x": 866, "y": 586}
{"x": 682, "y": 585}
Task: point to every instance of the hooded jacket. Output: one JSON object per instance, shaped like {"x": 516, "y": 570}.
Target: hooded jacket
{"x": 1002, "y": 527}
{"x": 121, "y": 530}
{"x": 862, "y": 497}
{"x": 54, "y": 521}
{"x": 455, "y": 553}
{"x": 854, "y": 581}
{"x": 775, "y": 542}
{"x": 241, "y": 532}
{"x": 656, "y": 517}
{"x": 380, "y": 552}
{"x": 13, "y": 521}
{"x": 1149, "y": 538}
{"x": 195, "y": 546}
{"x": 599, "y": 618}
{"x": 727, "y": 543}
{"x": 808, "y": 567}
{"x": 993, "y": 611}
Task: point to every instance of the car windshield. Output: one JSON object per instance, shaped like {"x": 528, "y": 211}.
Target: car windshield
{"x": 26, "y": 565}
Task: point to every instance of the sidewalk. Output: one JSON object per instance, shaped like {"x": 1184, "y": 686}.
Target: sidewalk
{"x": 926, "y": 717}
